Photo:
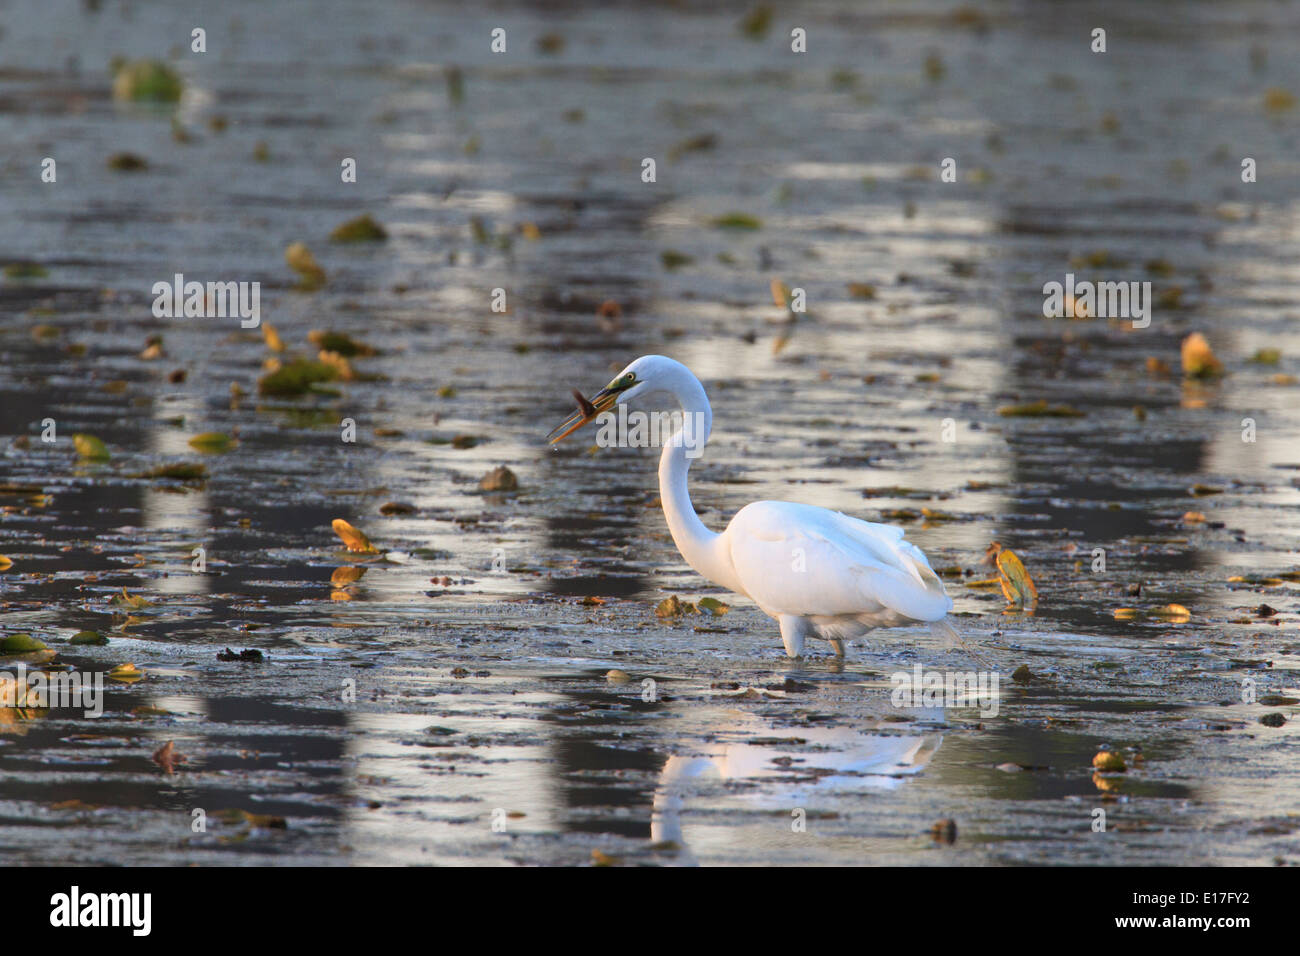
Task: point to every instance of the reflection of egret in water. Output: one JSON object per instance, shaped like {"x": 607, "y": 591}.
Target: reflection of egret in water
{"x": 182, "y": 513}
{"x": 795, "y": 767}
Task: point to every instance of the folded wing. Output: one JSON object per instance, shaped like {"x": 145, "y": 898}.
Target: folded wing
{"x": 808, "y": 561}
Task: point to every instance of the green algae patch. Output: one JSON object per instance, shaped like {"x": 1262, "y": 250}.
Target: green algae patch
{"x": 737, "y": 220}
{"x": 150, "y": 81}
{"x": 90, "y": 448}
{"x": 340, "y": 343}
{"x": 360, "y": 229}
{"x": 127, "y": 163}
{"x": 296, "y": 378}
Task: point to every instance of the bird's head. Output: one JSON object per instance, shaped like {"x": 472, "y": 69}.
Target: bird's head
{"x": 647, "y": 375}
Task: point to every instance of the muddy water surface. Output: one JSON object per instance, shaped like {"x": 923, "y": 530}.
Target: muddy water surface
{"x": 478, "y": 648}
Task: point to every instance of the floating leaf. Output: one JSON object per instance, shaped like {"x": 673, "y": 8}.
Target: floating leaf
{"x": 301, "y": 261}
{"x": 127, "y": 163}
{"x": 167, "y": 757}
{"x": 211, "y": 443}
{"x": 6, "y": 562}
{"x": 756, "y": 22}
{"x": 90, "y": 448}
{"x": 150, "y": 80}
{"x": 20, "y": 644}
{"x": 340, "y": 343}
{"x": 272, "y": 338}
{"x": 617, "y": 677}
{"x": 132, "y": 601}
{"x": 179, "y": 471}
{"x": 672, "y": 259}
{"x": 673, "y": 606}
{"x": 360, "y": 229}
{"x": 1267, "y": 357}
{"x": 1108, "y": 762}
{"x": 1198, "y": 358}
{"x": 1039, "y": 409}
{"x": 296, "y": 378}
{"x": 353, "y": 539}
{"x": 736, "y": 220}
{"x": 713, "y": 606}
{"x": 260, "y": 821}
{"x": 127, "y": 673}
{"x": 25, "y": 270}
{"x": 1277, "y": 100}
{"x": 1017, "y": 586}
{"x": 500, "y": 478}
{"x": 1174, "y": 613}
{"x": 88, "y": 638}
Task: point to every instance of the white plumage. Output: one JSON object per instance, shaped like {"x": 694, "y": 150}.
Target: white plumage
{"x": 818, "y": 572}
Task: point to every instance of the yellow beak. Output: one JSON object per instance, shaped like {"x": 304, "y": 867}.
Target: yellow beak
{"x": 587, "y": 411}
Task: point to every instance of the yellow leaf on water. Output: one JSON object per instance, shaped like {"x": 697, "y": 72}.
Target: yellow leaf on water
{"x": 1174, "y": 613}
{"x": 133, "y": 601}
{"x": 1109, "y": 762}
{"x": 1017, "y": 586}
{"x": 126, "y": 672}
{"x": 5, "y": 562}
{"x": 673, "y": 606}
{"x": 1277, "y": 99}
{"x": 341, "y": 365}
{"x": 1199, "y": 360}
{"x": 300, "y": 260}
{"x": 353, "y": 539}
{"x": 272, "y": 337}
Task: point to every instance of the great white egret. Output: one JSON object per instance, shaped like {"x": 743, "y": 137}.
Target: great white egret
{"x": 818, "y": 572}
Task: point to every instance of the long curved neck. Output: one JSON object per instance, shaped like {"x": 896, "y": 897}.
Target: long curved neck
{"x": 704, "y": 550}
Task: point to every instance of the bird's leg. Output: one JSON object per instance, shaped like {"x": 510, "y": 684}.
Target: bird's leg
{"x": 837, "y": 646}
{"x": 792, "y": 634}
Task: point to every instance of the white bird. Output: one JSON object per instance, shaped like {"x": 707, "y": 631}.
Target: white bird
{"x": 819, "y": 573}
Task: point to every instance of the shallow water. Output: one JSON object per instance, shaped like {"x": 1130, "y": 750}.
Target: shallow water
{"x": 481, "y": 694}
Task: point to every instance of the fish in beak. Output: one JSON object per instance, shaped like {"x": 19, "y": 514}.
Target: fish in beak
{"x": 587, "y": 411}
